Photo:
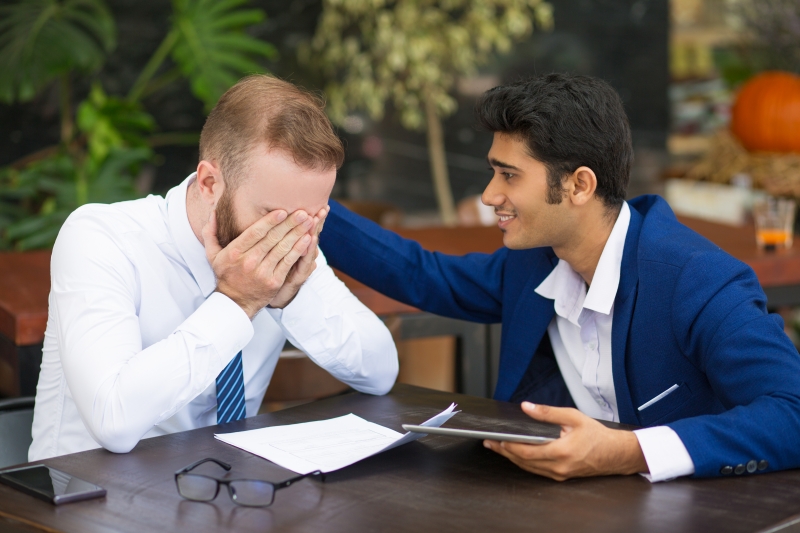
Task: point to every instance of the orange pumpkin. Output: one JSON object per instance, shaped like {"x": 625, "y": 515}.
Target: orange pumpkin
{"x": 766, "y": 114}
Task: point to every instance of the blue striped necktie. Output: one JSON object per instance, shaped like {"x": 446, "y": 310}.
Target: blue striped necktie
{"x": 230, "y": 392}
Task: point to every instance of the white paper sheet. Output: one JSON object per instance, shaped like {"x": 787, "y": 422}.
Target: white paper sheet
{"x": 325, "y": 445}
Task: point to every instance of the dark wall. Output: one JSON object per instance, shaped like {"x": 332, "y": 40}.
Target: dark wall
{"x": 622, "y": 41}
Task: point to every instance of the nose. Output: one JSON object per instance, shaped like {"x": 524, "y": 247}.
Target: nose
{"x": 492, "y": 195}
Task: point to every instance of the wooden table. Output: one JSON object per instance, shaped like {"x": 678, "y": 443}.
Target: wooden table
{"x": 437, "y": 484}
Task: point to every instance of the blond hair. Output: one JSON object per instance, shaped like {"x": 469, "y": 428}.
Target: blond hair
{"x": 262, "y": 109}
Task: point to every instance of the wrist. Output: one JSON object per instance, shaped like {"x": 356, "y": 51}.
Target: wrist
{"x": 634, "y": 461}
{"x": 249, "y": 309}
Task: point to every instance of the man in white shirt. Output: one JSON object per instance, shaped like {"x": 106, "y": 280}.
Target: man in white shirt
{"x": 607, "y": 305}
{"x": 168, "y": 314}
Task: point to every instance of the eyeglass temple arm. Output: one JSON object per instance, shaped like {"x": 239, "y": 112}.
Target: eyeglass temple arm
{"x": 284, "y": 484}
{"x": 226, "y": 466}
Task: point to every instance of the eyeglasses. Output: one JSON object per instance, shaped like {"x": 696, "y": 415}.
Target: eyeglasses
{"x": 246, "y": 492}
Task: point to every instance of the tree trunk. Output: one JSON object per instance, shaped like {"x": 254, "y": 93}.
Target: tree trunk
{"x": 441, "y": 181}
{"x": 65, "y": 96}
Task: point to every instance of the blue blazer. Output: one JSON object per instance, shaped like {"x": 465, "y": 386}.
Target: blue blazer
{"x": 686, "y": 313}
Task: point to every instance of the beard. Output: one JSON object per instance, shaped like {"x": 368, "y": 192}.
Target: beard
{"x": 227, "y": 230}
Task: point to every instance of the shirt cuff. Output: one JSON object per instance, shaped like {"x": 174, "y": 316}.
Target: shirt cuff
{"x": 665, "y": 453}
{"x": 223, "y": 323}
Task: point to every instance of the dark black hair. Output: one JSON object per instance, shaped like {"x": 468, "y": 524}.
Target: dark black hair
{"x": 567, "y": 122}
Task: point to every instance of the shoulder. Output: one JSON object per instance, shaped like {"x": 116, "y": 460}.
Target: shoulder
{"x": 101, "y": 234}
{"x": 696, "y": 275}
{"x": 663, "y": 239}
{"x": 115, "y": 220}
{"x": 666, "y": 244}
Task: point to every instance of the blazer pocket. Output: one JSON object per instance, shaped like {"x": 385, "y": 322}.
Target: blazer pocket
{"x": 653, "y": 413}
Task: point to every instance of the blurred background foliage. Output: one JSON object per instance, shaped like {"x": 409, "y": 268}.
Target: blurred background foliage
{"x": 773, "y": 43}
{"x": 410, "y": 53}
{"x": 46, "y": 42}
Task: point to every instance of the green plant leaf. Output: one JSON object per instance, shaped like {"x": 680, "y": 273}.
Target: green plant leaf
{"x": 110, "y": 122}
{"x": 42, "y": 39}
{"x": 212, "y": 48}
{"x": 403, "y": 52}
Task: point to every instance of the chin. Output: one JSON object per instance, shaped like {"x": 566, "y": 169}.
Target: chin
{"x": 510, "y": 242}
{"x": 515, "y": 242}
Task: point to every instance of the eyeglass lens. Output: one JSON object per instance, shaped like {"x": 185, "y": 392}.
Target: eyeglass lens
{"x": 252, "y": 493}
{"x": 197, "y": 488}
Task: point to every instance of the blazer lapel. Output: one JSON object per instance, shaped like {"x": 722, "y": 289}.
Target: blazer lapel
{"x": 624, "y": 307}
{"x": 523, "y": 331}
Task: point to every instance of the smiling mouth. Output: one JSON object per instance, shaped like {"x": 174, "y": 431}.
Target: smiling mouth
{"x": 506, "y": 218}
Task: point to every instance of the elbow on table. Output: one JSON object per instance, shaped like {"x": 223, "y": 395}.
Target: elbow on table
{"x": 381, "y": 380}
{"x": 116, "y": 440}
{"x": 389, "y": 377}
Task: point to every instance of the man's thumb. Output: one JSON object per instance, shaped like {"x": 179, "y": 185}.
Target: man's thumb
{"x": 562, "y": 416}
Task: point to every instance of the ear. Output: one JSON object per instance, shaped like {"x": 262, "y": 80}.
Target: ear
{"x": 209, "y": 182}
{"x": 581, "y": 186}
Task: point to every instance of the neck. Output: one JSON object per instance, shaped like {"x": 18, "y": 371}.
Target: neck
{"x": 585, "y": 246}
{"x": 196, "y": 210}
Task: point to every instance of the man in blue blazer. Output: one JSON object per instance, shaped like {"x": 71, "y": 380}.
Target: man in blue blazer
{"x": 609, "y": 306}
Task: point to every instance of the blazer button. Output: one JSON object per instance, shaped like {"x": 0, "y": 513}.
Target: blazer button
{"x": 763, "y": 464}
{"x": 752, "y": 465}
{"x": 739, "y": 470}
{"x": 726, "y": 470}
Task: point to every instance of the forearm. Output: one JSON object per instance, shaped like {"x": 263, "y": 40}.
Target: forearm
{"x": 122, "y": 390}
{"x": 340, "y": 334}
{"x": 464, "y": 287}
{"x": 763, "y": 433}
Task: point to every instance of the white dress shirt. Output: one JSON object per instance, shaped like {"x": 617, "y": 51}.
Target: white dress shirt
{"x": 580, "y": 333}
{"x": 136, "y": 335}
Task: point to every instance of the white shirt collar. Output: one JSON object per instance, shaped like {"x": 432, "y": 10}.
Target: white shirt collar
{"x": 568, "y": 289}
{"x": 190, "y": 248}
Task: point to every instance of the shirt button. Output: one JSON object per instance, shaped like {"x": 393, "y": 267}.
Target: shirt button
{"x": 726, "y": 470}
{"x": 752, "y": 466}
{"x": 763, "y": 464}
{"x": 739, "y": 470}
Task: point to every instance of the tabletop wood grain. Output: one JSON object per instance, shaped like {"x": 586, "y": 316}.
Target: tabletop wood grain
{"x": 439, "y": 484}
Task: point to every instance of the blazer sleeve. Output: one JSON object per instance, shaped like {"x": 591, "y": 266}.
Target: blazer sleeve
{"x": 466, "y": 287}
{"x": 722, "y": 324}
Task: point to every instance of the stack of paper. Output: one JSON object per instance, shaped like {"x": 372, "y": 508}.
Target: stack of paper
{"x": 326, "y": 445}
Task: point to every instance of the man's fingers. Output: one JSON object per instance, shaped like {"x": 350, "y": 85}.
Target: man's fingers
{"x": 541, "y": 466}
{"x": 314, "y": 233}
{"x": 321, "y": 216}
{"x": 563, "y": 416}
{"x": 528, "y": 452}
{"x": 287, "y": 245}
{"x": 210, "y": 240}
{"x": 283, "y": 236}
{"x": 258, "y": 230}
{"x": 288, "y": 260}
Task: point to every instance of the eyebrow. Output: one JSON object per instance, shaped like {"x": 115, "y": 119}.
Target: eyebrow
{"x": 497, "y": 163}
